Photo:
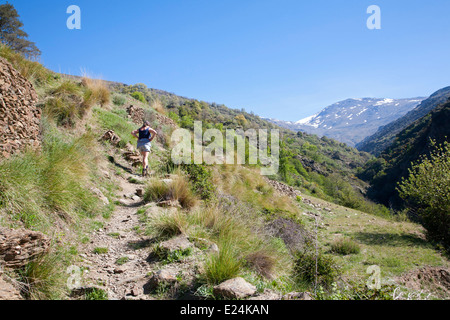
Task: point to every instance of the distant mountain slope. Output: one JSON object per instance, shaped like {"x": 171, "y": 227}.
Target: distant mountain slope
{"x": 352, "y": 120}
{"x": 378, "y": 142}
{"x": 414, "y": 141}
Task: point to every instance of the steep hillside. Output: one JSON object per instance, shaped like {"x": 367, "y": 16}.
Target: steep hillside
{"x": 384, "y": 137}
{"x": 77, "y": 221}
{"x": 352, "y": 120}
{"x": 407, "y": 147}
{"x": 307, "y": 162}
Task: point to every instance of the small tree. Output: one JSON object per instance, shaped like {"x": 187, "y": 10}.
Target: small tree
{"x": 12, "y": 35}
{"x": 427, "y": 189}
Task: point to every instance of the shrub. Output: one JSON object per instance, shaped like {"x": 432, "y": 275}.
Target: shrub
{"x": 200, "y": 178}
{"x": 119, "y": 100}
{"x": 139, "y": 96}
{"x": 427, "y": 190}
{"x": 345, "y": 247}
{"x": 305, "y": 268}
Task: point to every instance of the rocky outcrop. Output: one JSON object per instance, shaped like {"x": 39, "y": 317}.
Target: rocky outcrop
{"x": 112, "y": 137}
{"x": 19, "y": 117}
{"x": 18, "y": 247}
{"x": 283, "y": 188}
{"x": 136, "y": 114}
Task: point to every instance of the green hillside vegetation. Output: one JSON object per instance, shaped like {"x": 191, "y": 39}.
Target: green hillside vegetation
{"x": 393, "y": 164}
{"x": 321, "y": 167}
{"x": 263, "y": 236}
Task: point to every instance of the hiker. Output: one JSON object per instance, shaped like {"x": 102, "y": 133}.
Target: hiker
{"x": 145, "y": 136}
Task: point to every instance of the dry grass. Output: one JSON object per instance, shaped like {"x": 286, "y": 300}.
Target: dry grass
{"x": 97, "y": 92}
{"x": 178, "y": 189}
{"x": 158, "y": 106}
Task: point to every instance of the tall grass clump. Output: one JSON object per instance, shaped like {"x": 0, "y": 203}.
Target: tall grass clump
{"x": 345, "y": 247}
{"x": 223, "y": 265}
{"x": 64, "y": 106}
{"x": 31, "y": 70}
{"x": 44, "y": 278}
{"x": 122, "y": 127}
{"x": 242, "y": 238}
{"x": 97, "y": 92}
{"x": 34, "y": 186}
{"x": 179, "y": 190}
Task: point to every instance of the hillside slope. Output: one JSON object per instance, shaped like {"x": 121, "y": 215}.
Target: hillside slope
{"x": 384, "y": 137}
{"x": 407, "y": 147}
{"x": 185, "y": 231}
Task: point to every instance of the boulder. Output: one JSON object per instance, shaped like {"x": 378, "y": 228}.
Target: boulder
{"x": 165, "y": 276}
{"x": 179, "y": 243}
{"x": 236, "y": 288}
{"x": 267, "y": 295}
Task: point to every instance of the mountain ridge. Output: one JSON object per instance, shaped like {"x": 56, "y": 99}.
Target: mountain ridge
{"x": 352, "y": 120}
{"x": 384, "y": 137}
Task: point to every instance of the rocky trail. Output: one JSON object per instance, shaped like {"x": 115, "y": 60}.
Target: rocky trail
{"x": 116, "y": 257}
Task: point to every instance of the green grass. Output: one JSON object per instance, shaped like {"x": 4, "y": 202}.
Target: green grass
{"x": 122, "y": 261}
{"x": 345, "y": 247}
{"x": 33, "y": 185}
{"x": 100, "y": 250}
{"x": 119, "y": 123}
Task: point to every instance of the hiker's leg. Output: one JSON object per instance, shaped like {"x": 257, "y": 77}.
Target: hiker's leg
{"x": 145, "y": 159}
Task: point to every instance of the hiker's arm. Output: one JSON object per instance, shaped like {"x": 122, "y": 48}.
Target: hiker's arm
{"x": 134, "y": 133}
{"x": 154, "y": 134}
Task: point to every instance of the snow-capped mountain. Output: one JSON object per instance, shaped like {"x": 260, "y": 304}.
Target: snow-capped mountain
{"x": 352, "y": 120}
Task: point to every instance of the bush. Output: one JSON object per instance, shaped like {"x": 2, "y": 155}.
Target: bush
{"x": 305, "y": 268}
{"x": 427, "y": 191}
{"x": 119, "y": 100}
{"x": 139, "y": 96}
{"x": 200, "y": 178}
{"x": 345, "y": 247}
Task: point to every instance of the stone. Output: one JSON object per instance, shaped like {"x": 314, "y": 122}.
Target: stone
{"x": 163, "y": 276}
{"x": 20, "y": 117}
{"x": 236, "y": 288}
{"x": 8, "y": 292}
{"x": 140, "y": 192}
{"x": 179, "y": 243}
{"x": 18, "y": 247}
{"x": 267, "y": 295}
{"x": 297, "y": 296}
{"x": 169, "y": 204}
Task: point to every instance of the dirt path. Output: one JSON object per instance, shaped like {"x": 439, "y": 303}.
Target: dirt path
{"x": 123, "y": 269}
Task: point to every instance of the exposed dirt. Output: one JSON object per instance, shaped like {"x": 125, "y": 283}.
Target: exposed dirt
{"x": 435, "y": 280}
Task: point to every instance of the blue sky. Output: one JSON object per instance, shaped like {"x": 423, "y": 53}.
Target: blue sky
{"x": 284, "y": 59}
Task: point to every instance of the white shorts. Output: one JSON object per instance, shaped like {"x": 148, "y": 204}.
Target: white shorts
{"x": 144, "y": 145}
